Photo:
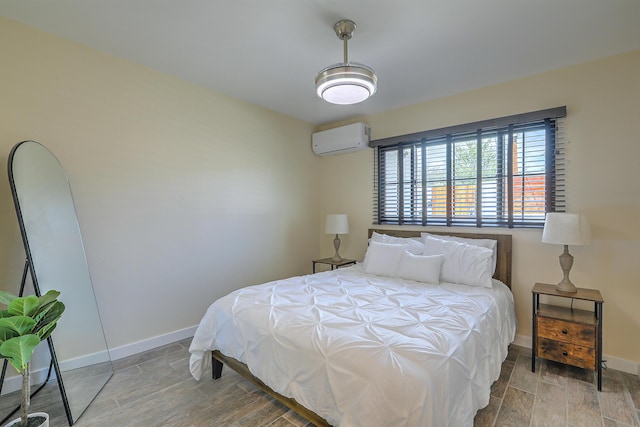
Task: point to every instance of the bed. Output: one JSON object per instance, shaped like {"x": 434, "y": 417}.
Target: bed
{"x": 351, "y": 348}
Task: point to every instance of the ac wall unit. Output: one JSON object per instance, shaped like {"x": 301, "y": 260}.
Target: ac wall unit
{"x": 344, "y": 139}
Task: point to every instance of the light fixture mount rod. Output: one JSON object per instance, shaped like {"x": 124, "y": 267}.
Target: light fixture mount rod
{"x": 344, "y": 30}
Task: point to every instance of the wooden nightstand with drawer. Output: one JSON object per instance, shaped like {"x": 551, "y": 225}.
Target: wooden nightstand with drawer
{"x": 567, "y": 335}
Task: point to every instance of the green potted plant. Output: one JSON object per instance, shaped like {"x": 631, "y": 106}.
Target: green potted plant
{"x": 25, "y": 323}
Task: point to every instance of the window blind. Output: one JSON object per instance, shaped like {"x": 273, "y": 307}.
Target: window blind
{"x": 490, "y": 173}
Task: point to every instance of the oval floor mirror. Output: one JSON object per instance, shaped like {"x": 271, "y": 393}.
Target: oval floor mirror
{"x": 56, "y": 258}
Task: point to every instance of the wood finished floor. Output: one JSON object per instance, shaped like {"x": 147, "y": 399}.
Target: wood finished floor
{"x": 156, "y": 389}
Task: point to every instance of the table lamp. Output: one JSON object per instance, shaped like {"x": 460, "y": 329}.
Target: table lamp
{"x": 337, "y": 224}
{"x": 566, "y": 229}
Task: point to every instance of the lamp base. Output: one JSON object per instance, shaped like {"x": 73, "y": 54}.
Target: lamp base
{"x": 566, "y": 287}
{"x": 566, "y": 262}
{"x": 336, "y": 245}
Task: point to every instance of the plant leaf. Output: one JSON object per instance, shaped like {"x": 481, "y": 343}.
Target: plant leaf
{"x": 46, "y": 330}
{"x": 4, "y": 313}
{"x": 50, "y": 316}
{"x": 51, "y": 310}
{"x": 19, "y": 350}
{"x": 6, "y": 333}
{"x": 48, "y": 298}
{"x": 42, "y": 311}
{"x": 23, "y": 325}
{"x": 6, "y": 297}
{"x": 24, "y": 306}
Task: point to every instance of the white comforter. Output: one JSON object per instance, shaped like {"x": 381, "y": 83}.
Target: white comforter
{"x": 365, "y": 350}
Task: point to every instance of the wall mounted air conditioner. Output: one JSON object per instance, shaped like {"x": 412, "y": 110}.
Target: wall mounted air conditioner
{"x": 344, "y": 139}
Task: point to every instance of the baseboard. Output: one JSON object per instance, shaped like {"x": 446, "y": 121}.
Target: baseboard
{"x": 151, "y": 343}
{"x": 14, "y": 382}
{"x": 82, "y": 361}
{"x": 612, "y": 362}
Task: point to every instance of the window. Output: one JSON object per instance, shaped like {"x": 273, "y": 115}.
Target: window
{"x": 506, "y": 172}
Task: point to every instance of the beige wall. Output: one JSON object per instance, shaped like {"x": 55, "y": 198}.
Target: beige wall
{"x": 603, "y": 174}
{"x": 182, "y": 194}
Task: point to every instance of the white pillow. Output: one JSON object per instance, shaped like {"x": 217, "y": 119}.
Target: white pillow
{"x": 464, "y": 264}
{"x": 383, "y": 258}
{"x": 421, "y": 268}
{"x": 415, "y": 246}
{"x": 484, "y": 243}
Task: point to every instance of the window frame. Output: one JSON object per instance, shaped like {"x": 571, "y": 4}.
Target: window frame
{"x": 526, "y": 214}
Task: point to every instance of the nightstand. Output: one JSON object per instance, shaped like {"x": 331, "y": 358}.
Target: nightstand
{"x": 567, "y": 335}
{"x": 332, "y": 263}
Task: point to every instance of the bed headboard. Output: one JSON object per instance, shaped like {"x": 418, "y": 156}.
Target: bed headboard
{"x": 503, "y": 264}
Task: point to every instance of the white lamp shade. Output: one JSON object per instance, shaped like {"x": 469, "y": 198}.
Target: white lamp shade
{"x": 337, "y": 224}
{"x": 566, "y": 229}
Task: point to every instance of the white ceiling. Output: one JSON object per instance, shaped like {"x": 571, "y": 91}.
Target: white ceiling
{"x": 269, "y": 52}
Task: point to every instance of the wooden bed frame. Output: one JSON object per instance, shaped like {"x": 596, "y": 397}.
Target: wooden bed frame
{"x": 503, "y": 273}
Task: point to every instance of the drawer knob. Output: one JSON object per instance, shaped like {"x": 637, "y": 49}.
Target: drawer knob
{"x": 564, "y": 331}
{"x": 564, "y": 353}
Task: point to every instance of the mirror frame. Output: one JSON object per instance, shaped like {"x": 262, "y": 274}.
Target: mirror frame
{"x": 29, "y": 265}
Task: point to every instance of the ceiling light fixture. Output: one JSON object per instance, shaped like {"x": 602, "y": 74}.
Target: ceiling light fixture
{"x": 346, "y": 83}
